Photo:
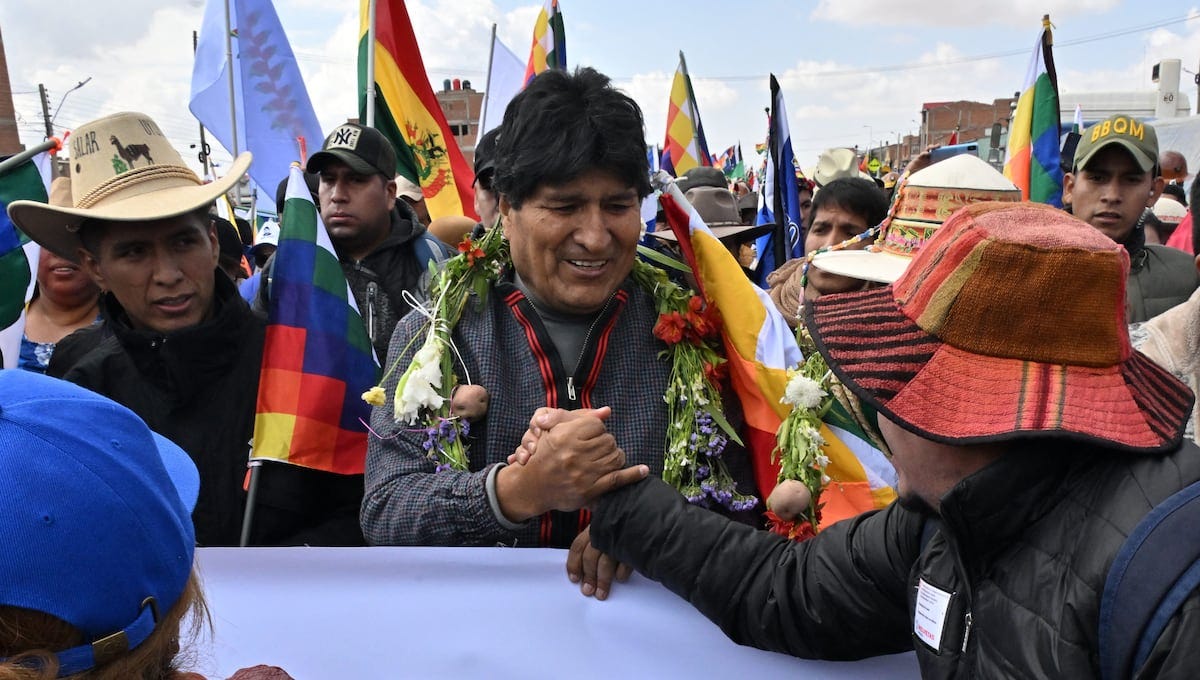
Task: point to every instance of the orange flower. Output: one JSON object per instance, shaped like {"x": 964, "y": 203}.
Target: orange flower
{"x": 670, "y": 327}
{"x": 467, "y": 247}
{"x": 702, "y": 319}
{"x": 791, "y": 530}
{"x": 716, "y": 372}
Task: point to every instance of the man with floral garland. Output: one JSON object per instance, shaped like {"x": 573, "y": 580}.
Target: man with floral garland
{"x": 566, "y": 324}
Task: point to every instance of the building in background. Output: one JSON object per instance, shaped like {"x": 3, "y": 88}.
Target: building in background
{"x": 10, "y": 138}
{"x": 461, "y": 106}
{"x": 987, "y": 124}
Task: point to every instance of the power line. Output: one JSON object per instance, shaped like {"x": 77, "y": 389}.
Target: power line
{"x": 913, "y": 66}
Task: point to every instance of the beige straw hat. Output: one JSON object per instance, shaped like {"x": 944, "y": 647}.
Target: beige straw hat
{"x": 924, "y": 202}
{"x": 123, "y": 169}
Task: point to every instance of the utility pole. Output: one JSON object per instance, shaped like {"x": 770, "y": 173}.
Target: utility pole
{"x": 45, "y": 111}
{"x": 205, "y": 150}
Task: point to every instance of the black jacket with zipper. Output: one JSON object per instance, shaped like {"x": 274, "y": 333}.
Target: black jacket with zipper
{"x": 199, "y": 387}
{"x": 1023, "y": 549}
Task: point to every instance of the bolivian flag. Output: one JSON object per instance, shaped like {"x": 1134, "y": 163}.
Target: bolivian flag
{"x": 408, "y": 113}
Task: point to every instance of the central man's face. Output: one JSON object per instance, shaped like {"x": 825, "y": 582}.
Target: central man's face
{"x": 356, "y": 208}
{"x": 574, "y": 243}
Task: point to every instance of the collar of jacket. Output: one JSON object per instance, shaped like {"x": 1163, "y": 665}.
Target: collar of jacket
{"x": 987, "y": 510}
{"x": 1135, "y": 244}
{"x": 179, "y": 358}
{"x": 402, "y": 231}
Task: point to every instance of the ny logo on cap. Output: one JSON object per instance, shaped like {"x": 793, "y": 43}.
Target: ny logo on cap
{"x": 345, "y": 137}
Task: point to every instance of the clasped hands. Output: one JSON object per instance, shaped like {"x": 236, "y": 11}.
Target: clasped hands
{"x": 566, "y": 460}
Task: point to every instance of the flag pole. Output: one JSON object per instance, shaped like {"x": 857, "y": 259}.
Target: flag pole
{"x": 237, "y": 192}
{"x": 251, "y": 498}
{"x": 487, "y": 89}
{"x": 54, "y": 143}
{"x": 370, "y": 93}
{"x": 204, "y": 159}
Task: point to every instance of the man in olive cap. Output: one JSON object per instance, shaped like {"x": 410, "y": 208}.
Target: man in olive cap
{"x": 1114, "y": 179}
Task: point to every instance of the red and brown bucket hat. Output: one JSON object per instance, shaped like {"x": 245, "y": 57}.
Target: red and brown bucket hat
{"x": 1009, "y": 323}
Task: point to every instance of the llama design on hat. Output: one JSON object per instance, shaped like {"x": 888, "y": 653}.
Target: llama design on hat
{"x": 130, "y": 153}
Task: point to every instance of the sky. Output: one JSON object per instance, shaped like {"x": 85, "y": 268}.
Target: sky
{"x": 852, "y": 72}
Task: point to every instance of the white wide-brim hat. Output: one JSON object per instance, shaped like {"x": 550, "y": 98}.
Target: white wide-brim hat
{"x": 836, "y": 164}
{"x": 123, "y": 169}
{"x": 924, "y": 201}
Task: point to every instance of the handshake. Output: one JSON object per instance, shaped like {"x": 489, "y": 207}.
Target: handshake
{"x": 565, "y": 461}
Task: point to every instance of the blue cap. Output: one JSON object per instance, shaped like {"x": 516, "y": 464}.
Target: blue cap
{"x": 95, "y": 515}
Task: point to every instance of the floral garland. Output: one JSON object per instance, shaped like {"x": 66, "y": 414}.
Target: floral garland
{"x": 799, "y": 441}
{"x": 697, "y": 432}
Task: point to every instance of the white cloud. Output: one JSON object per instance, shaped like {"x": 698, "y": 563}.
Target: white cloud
{"x": 962, "y": 13}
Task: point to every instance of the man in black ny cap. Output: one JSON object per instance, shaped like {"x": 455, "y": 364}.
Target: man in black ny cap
{"x": 382, "y": 253}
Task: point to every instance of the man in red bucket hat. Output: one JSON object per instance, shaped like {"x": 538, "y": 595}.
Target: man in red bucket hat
{"x": 1029, "y": 440}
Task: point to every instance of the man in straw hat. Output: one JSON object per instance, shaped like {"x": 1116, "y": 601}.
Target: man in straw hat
{"x": 186, "y": 350}
{"x": 1028, "y": 437}
{"x": 1114, "y": 178}
{"x": 841, "y": 210}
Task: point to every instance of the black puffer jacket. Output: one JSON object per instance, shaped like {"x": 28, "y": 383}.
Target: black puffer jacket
{"x": 198, "y": 387}
{"x": 1024, "y": 549}
{"x": 1159, "y": 277}
{"x": 380, "y": 279}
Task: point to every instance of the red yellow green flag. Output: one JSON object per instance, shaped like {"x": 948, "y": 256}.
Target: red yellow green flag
{"x": 408, "y": 113}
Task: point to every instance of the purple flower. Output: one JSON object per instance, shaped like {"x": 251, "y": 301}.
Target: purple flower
{"x": 442, "y": 467}
{"x": 466, "y": 427}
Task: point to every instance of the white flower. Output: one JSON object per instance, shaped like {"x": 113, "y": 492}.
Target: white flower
{"x": 822, "y": 461}
{"x": 803, "y": 392}
{"x": 418, "y": 385}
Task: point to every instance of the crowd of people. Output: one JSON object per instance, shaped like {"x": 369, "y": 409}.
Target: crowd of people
{"x": 987, "y": 345}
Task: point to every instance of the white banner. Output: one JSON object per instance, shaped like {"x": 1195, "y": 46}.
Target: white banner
{"x": 466, "y": 613}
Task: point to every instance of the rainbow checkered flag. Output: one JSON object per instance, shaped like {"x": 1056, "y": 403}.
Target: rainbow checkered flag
{"x": 27, "y": 181}
{"x": 317, "y": 358}
{"x": 1034, "y": 160}
{"x": 549, "y": 48}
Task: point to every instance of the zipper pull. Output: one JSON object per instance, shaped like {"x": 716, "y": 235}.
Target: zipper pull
{"x": 571, "y": 389}
{"x": 371, "y": 289}
{"x": 966, "y": 633}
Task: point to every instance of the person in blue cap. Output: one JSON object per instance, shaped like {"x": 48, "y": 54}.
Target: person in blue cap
{"x": 96, "y": 570}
